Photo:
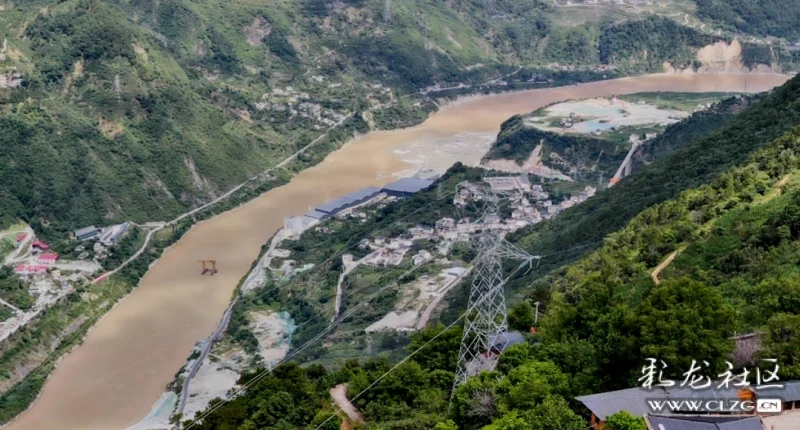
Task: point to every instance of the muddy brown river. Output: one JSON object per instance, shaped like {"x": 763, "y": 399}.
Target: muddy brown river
{"x": 115, "y": 376}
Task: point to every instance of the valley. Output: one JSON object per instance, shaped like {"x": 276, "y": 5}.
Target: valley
{"x": 127, "y": 359}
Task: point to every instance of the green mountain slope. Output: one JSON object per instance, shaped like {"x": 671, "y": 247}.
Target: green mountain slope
{"x": 764, "y": 17}
{"x": 139, "y": 110}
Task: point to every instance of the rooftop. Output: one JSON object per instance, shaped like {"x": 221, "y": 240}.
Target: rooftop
{"x": 631, "y": 399}
{"x": 316, "y": 214}
{"x": 408, "y": 185}
{"x": 86, "y": 230}
{"x": 348, "y": 199}
{"x": 790, "y": 392}
{"x": 704, "y": 422}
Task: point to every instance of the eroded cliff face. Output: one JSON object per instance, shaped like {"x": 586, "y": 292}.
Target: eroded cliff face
{"x": 723, "y": 57}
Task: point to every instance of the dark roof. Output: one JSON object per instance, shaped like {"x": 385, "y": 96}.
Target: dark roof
{"x": 632, "y": 400}
{"x": 316, "y": 214}
{"x": 704, "y": 422}
{"x": 349, "y": 199}
{"x": 86, "y": 230}
{"x": 408, "y": 185}
{"x": 712, "y": 392}
{"x": 502, "y": 341}
{"x": 790, "y": 392}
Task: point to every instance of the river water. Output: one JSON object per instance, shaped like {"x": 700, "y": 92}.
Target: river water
{"x": 122, "y": 367}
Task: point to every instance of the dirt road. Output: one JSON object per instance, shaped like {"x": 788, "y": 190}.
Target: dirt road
{"x": 339, "y": 396}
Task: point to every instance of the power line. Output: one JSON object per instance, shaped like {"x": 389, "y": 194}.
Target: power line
{"x": 286, "y": 358}
{"x": 380, "y": 378}
{"x": 486, "y": 315}
{"x": 351, "y": 311}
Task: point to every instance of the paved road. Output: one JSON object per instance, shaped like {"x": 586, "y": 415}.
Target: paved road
{"x": 223, "y": 324}
{"x": 426, "y": 314}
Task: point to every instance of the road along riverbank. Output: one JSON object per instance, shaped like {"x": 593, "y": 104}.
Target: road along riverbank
{"x": 112, "y": 380}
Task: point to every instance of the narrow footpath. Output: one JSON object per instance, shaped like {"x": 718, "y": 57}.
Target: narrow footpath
{"x": 663, "y": 266}
{"x": 339, "y": 396}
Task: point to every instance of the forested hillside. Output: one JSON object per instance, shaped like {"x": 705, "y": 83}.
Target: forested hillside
{"x": 582, "y": 228}
{"x": 736, "y": 236}
{"x": 584, "y": 158}
{"x": 763, "y": 17}
{"x": 117, "y": 110}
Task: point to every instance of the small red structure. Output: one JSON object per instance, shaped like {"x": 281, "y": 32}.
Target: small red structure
{"x": 41, "y": 245}
{"x": 209, "y": 267}
{"x": 21, "y": 237}
{"x": 48, "y": 258}
{"x": 25, "y": 269}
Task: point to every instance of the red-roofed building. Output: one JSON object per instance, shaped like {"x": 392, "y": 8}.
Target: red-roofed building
{"x": 48, "y": 258}
{"x": 41, "y": 245}
{"x": 21, "y": 237}
{"x": 25, "y": 269}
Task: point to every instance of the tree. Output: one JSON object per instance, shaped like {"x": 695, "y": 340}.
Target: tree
{"x": 513, "y": 357}
{"x": 555, "y": 413}
{"x": 528, "y": 385}
{"x": 623, "y": 420}
{"x": 683, "y": 320}
{"x": 782, "y": 342}
{"x": 474, "y": 403}
{"x": 447, "y": 425}
{"x": 522, "y": 316}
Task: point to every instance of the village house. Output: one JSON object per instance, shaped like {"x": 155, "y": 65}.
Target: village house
{"x": 445, "y": 224}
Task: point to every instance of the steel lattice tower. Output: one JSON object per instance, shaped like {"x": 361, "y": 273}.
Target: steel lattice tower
{"x": 486, "y": 320}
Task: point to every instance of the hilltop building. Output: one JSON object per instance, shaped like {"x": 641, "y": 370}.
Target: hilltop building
{"x": 603, "y": 405}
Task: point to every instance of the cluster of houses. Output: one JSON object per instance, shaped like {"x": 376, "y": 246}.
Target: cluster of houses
{"x": 44, "y": 257}
{"x": 530, "y": 204}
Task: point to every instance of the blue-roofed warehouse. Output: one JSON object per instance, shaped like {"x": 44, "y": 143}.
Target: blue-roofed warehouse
{"x": 315, "y": 214}
{"x": 347, "y": 201}
{"x": 407, "y": 187}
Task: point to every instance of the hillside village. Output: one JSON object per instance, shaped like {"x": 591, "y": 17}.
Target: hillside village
{"x": 426, "y": 248}
{"x": 48, "y": 276}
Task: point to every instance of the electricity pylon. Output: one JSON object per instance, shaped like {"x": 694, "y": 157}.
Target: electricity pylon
{"x": 486, "y": 320}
